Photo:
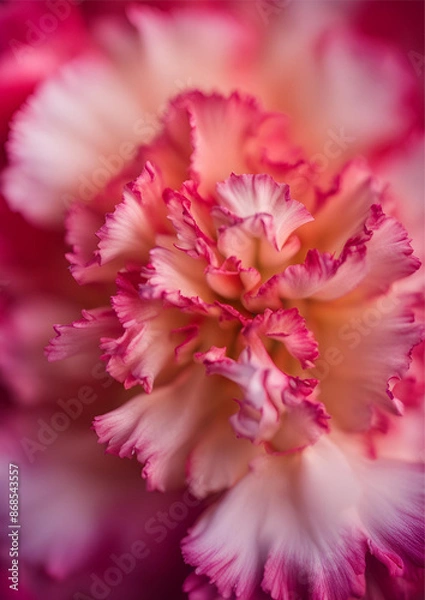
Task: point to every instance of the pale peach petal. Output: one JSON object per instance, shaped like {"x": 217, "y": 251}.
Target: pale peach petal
{"x": 221, "y": 129}
{"x": 403, "y": 170}
{"x": 161, "y": 428}
{"x": 231, "y": 279}
{"x": 344, "y": 210}
{"x": 129, "y": 232}
{"x": 356, "y": 368}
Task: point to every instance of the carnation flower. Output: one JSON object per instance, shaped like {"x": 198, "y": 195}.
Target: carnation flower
{"x": 255, "y": 313}
{"x": 250, "y": 281}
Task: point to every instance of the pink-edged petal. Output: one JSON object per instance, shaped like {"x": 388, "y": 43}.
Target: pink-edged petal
{"x": 320, "y": 277}
{"x": 403, "y": 171}
{"x": 222, "y": 128}
{"x": 65, "y": 146}
{"x": 364, "y": 349}
{"x": 234, "y": 135}
{"x": 82, "y": 222}
{"x": 372, "y": 261}
{"x": 260, "y": 409}
{"x": 194, "y": 127}
{"x": 83, "y": 336}
{"x": 191, "y": 218}
{"x": 249, "y": 195}
{"x": 271, "y": 402}
{"x": 231, "y": 279}
{"x": 161, "y": 428}
{"x": 273, "y": 150}
{"x": 171, "y": 148}
{"x": 389, "y": 254}
{"x": 177, "y": 277}
{"x": 129, "y": 233}
{"x": 345, "y": 209}
{"x": 302, "y": 425}
{"x": 148, "y": 347}
{"x": 256, "y": 220}
{"x": 295, "y": 533}
{"x": 287, "y": 327}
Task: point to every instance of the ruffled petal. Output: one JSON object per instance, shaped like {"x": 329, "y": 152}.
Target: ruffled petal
{"x": 161, "y": 428}
{"x": 389, "y": 256}
{"x": 356, "y": 370}
{"x": 295, "y": 532}
{"x": 247, "y": 196}
{"x": 176, "y": 277}
{"x": 344, "y": 210}
{"x": 190, "y": 215}
{"x": 231, "y": 280}
{"x": 403, "y": 171}
{"x": 83, "y": 336}
{"x": 221, "y": 130}
{"x": 148, "y": 347}
{"x": 287, "y": 327}
{"x": 320, "y": 277}
{"x": 129, "y": 233}
{"x": 82, "y": 222}
{"x": 274, "y": 407}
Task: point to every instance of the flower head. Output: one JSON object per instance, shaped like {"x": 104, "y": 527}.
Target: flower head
{"x": 248, "y": 282}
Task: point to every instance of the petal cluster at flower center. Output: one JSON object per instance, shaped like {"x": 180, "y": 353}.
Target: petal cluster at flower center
{"x": 253, "y": 307}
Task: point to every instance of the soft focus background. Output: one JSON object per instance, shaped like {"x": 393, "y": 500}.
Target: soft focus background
{"x": 89, "y": 528}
